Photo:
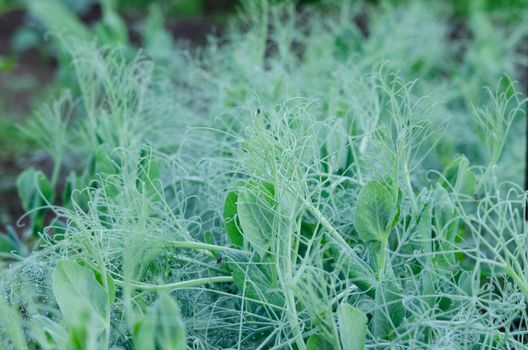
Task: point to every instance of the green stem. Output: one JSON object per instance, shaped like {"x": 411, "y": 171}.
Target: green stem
{"x": 382, "y": 257}
{"x": 327, "y": 225}
{"x": 177, "y": 285}
{"x": 199, "y": 245}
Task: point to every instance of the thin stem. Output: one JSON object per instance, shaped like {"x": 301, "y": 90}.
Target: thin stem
{"x": 177, "y": 285}
{"x": 199, "y": 245}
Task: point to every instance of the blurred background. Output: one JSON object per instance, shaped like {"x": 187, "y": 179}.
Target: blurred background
{"x": 33, "y": 68}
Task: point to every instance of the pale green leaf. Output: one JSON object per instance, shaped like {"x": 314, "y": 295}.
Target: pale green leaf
{"x": 375, "y": 212}
{"x": 255, "y": 213}
{"x": 352, "y": 327}
{"x": 459, "y": 175}
{"x": 79, "y": 295}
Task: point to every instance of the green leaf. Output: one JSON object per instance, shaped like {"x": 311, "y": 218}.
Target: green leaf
{"x": 80, "y": 296}
{"x": 255, "y": 206}
{"x": 444, "y": 209}
{"x": 337, "y": 146}
{"x": 427, "y": 286}
{"x": 458, "y": 174}
{"x": 317, "y": 342}
{"x": 390, "y": 310}
{"x": 354, "y": 267}
{"x": 445, "y": 224}
{"x": 422, "y": 240}
{"x": 231, "y": 220}
{"x": 352, "y": 327}
{"x": 253, "y": 277}
{"x": 109, "y": 283}
{"x": 33, "y": 187}
{"x": 161, "y": 327}
{"x": 392, "y": 186}
{"x": 424, "y": 227}
{"x": 375, "y": 212}
{"x": 79, "y": 337}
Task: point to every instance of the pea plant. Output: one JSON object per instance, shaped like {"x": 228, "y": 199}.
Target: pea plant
{"x": 300, "y": 183}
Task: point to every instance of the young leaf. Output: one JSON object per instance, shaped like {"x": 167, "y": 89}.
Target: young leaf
{"x": 458, "y": 174}
{"x": 255, "y": 212}
{"x": 161, "y": 327}
{"x": 79, "y": 294}
{"x": 375, "y": 212}
{"x": 230, "y": 219}
{"x": 352, "y": 327}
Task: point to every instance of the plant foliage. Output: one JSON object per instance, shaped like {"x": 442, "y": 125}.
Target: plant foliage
{"x": 304, "y": 182}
